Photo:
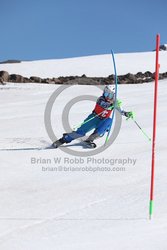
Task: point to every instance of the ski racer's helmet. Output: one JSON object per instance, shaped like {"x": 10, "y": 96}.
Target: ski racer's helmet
{"x": 108, "y": 93}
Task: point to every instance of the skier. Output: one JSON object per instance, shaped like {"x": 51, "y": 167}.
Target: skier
{"x": 99, "y": 120}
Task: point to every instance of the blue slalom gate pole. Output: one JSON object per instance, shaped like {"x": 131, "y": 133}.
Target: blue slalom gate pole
{"x": 115, "y": 102}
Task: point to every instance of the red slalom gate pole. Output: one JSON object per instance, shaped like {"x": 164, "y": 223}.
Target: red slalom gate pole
{"x": 157, "y": 66}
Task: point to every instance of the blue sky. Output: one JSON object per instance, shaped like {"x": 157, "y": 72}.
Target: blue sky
{"x": 48, "y": 29}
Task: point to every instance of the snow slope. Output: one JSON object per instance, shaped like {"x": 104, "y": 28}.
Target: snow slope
{"x": 79, "y": 210}
{"x": 100, "y": 65}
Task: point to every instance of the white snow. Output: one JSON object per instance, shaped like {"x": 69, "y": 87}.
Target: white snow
{"x": 100, "y": 65}
{"x": 48, "y": 210}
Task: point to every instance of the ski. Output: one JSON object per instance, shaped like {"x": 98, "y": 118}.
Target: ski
{"x": 89, "y": 144}
{"x": 84, "y": 144}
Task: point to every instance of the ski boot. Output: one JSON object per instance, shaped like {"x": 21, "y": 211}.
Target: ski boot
{"x": 60, "y": 142}
{"x": 89, "y": 141}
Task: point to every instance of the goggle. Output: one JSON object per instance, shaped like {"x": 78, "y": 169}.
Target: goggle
{"x": 109, "y": 95}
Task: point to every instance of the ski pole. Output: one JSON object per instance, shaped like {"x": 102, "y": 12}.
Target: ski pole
{"x": 75, "y": 127}
{"x": 141, "y": 129}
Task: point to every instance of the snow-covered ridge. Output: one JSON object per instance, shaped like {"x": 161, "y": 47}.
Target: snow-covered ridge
{"x": 92, "y": 66}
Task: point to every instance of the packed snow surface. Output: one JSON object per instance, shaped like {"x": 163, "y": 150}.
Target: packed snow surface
{"x": 103, "y": 205}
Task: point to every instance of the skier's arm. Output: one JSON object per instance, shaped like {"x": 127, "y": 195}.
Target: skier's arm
{"x": 128, "y": 114}
{"x": 122, "y": 112}
{"x": 102, "y": 102}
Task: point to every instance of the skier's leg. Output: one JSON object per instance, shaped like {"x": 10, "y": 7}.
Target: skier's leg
{"x": 92, "y": 137}
{"x": 81, "y": 131}
{"x": 100, "y": 130}
{"x": 68, "y": 137}
{"x": 103, "y": 126}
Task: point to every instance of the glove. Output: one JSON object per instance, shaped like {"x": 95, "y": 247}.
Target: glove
{"x": 129, "y": 115}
